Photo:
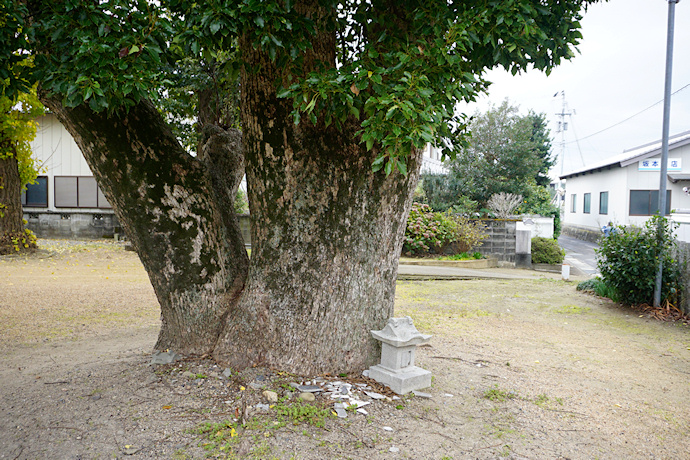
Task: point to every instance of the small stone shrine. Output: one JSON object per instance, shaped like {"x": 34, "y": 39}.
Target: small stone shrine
{"x": 397, "y": 370}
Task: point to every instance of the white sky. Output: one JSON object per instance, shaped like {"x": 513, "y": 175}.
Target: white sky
{"x": 618, "y": 73}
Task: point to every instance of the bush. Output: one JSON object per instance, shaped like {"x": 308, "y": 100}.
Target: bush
{"x": 546, "y": 251}
{"x": 429, "y": 231}
{"x": 628, "y": 260}
{"x": 597, "y": 286}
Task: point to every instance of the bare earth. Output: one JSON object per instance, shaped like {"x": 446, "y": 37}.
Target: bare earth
{"x": 522, "y": 369}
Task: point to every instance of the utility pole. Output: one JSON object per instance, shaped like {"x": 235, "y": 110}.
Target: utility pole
{"x": 664, "y": 144}
{"x": 562, "y": 128}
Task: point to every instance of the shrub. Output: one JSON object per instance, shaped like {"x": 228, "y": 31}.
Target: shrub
{"x": 597, "y": 286}
{"x": 546, "y": 251}
{"x": 628, "y": 260}
{"x": 504, "y": 204}
{"x": 429, "y": 231}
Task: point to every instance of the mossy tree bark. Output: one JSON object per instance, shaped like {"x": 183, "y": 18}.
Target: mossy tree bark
{"x": 177, "y": 211}
{"x": 326, "y": 234}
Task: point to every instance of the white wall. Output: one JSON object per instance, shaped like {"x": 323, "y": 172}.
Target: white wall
{"x": 56, "y": 154}
{"x": 55, "y": 148}
{"x": 612, "y": 181}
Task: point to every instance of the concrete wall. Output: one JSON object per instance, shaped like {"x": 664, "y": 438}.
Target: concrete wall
{"x": 582, "y": 233}
{"x": 539, "y": 226}
{"x": 73, "y": 225}
{"x": 501, "y": 240}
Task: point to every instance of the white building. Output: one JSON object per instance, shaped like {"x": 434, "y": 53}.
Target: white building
{"x": 65, "y": 201}
{"x": 431, "y": 161}
{"x": 624, "y": 190}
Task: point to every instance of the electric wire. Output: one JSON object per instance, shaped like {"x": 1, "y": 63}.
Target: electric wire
{"x": 627, "y": 119}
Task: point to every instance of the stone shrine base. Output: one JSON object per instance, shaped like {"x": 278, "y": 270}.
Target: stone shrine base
{"x": 401, "y": 381}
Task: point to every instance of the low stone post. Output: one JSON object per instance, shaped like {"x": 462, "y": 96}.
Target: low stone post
{"x": 523, "y": 246}
{"x": 399, "y": 340}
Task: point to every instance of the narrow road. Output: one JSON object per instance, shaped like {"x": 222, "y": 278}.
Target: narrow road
{"x": 580, "y": 254}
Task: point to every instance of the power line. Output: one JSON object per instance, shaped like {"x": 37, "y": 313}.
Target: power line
{"x": 629, "y": 118}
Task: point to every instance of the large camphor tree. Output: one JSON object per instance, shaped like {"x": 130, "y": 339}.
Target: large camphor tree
{"x": 337, "y": 100}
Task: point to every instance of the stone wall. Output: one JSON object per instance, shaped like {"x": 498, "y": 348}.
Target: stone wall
{"x": 581, "y": 233}
{"x": 85, "y": 225}
{"x": 500, "y": 242}
{"x": 75, "y": 225}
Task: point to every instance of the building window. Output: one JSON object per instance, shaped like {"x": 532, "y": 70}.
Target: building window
{"x": 573, "y": 203}
{"x": 646, "y": 202}
{"x": 36, "y": 195}
{"x": 587, "y": 203}
{"x": 78, "y": 192}
{"x": 604, "y": 203}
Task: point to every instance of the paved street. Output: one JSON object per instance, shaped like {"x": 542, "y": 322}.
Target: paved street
{"x": 579, "y": 254}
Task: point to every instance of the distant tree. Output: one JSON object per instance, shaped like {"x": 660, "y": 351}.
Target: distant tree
{"x": 541, "y": 137}
{"x": 507, "y": 153}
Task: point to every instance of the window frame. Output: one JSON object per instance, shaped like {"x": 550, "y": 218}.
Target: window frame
{"x": 587, "y": 203}
{"x": 35, "y": 204}
{"x": 99, "y": 198}
{"x": 604, "y": 203}
{"x": 573, "y": 203}
{"x": 652, "y": 202}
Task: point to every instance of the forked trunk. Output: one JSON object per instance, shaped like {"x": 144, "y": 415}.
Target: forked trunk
{"x": 326, "y": 239}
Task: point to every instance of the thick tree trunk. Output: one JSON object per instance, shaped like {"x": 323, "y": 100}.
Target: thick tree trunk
{"x": 326, "y": 237}
{"x": 177, "y": 211}
{"x": 12, "y": 236}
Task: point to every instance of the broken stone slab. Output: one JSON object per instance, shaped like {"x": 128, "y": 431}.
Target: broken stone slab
{"x": 421, "y": 394}
{"x": 309, "y": 388}
{"x": 340, "y": 410}
{"x": 374, "y": 395}
{"x": 165, "y": 357}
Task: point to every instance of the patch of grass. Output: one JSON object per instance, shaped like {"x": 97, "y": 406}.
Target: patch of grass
{"x": 218, "y": 438}
{"x": 572, "y": 309}
{"x": 497, "y": 394}
{"x": 462, "y": 256}
{"x": 303, "y": 413}
{"x": 598, "y": 287}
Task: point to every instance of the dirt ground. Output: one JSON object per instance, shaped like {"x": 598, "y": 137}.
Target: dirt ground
{"x": 521, "y": 369}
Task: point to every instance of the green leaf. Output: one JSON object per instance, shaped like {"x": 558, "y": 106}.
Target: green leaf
{"x": 283, "y": 93}
{"x": 378, "y": 163}
{"x": 402, "y": 167}
{"x": 259, "y": 21}
{"x": 389, "y": 168}
{"x": 133, "y": 49}
{"x": 370, "y": 144}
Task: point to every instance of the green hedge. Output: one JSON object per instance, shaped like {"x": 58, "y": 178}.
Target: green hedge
{"x": 546, "y": 251}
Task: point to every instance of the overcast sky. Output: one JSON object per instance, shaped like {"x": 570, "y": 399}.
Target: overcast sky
{"x": 618, "y": 73}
